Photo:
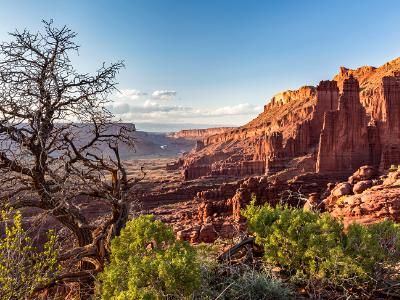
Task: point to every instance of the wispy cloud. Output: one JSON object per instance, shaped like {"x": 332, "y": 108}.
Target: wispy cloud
{"x": 238, "y": 109}
{"x": 154, "y": 111}
{"x": 163, "y": 94}
{"x": 149, "y": 108}
{"x": 131, "y": 94}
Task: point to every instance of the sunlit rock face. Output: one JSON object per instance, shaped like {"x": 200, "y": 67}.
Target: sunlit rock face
{"x": 340, "y": 125}
{"x": 344, "y": 138}
{"x": 300, "y": 150}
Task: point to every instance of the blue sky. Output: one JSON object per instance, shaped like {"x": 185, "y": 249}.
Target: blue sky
{"x": 201, "y": 63}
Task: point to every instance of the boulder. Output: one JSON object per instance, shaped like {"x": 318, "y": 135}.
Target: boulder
{"x": 361, "y": 186}
{"x": 363, "y": 173}
{"x": 189, "y": 234}
{"x": 342, "y": 189}
{"x": 311, "y": 203}
{"x": 207, "y": 233}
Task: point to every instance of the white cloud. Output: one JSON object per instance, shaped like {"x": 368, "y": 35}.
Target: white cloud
{"x": 151, "y": 109}
{"x": 163, "y": 94}
{"x": 239, "y": 109}
{"x": 131, "y": 94}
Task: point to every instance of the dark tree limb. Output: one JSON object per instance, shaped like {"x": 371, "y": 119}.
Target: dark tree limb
{"x": 54, "y": 128}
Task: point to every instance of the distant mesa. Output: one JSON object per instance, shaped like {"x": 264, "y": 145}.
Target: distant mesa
{"x": 146, "y": 144}
{"x": 199, "y": 133}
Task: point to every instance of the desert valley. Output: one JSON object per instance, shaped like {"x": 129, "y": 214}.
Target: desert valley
{"x": 340, "y": 138}
{"x": 152, "y": 163}
{"x": 332, "y": 148}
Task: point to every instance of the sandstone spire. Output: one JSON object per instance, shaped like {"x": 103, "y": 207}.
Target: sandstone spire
{"x": 343, "y": 145}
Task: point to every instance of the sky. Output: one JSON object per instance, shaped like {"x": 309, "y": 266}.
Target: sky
{"x": 197, "y": 64}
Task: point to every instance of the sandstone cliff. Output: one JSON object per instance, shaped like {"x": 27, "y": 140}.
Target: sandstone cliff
{"x": 344, "y": 138}
{"x": 199, "y": 133}
{"x": 338, "y": 125}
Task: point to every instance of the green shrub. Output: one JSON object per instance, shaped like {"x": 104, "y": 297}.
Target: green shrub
{"x": 341, "y": 199}
{"x": 374, "y": 245}
{"x": 22, "y": 266}
{"x": 241, "y": 282}
{"x": 147, "y": 262}
{"x": 313, "y": 247}
{"x": 256, "y": 285}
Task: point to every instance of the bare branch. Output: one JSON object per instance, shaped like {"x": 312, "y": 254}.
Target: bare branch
{"x": 58, "y": 141}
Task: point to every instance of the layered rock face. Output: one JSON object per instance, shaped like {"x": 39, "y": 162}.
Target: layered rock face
{"x": 351, "y": 137}
{"x": 389, "y": 124}
{"x": 277, "y": 156}
{"x": 286, "y": 129}
{"x": 199, "y": 133}
{"x": 341, "y": 124}
{"x": 243, "y": 151}
{"x": 344, "y": 137}
{"x": 300, "y": 150}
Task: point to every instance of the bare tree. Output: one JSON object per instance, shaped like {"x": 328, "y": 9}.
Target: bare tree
{"x": 58, "y": 141}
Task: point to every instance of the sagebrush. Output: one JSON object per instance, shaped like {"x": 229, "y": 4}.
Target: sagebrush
{"x": 313, "y": 248}
{"x": 147, "y": 262}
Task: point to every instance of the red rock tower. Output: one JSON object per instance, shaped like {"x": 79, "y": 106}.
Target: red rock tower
{"x": 343, "y": 145}
{"x": 276, "y": 158}
{"x": 389, "y": 126}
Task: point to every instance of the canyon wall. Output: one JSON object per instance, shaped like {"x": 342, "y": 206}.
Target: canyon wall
{"x": 199, "y": 133}
{"x": 299, "y": 150}
{"x": 340, "y": 125}
{"x": 389, "y": 124}
{"x": 344, "y": 138}
{"x": 351, "y": 137}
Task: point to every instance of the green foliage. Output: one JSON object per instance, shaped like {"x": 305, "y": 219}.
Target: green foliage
{"x": 312, "y": 246}
{"x": 237, "y": 281}
{"x": 241, "y": 282}
{"x": 341, "y": 199}
{"x": 147, "y": 262}
{"x": 373, "y": 245}
{"x": 22, "y": 266}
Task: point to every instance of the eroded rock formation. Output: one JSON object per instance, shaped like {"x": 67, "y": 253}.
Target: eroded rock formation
{"x": 342, "y": 124}
{"x": 366, "y": 197}
{"x": 344, "y": 138}
{"x": 199, "y": 133}
{"x": 300, "y": 149}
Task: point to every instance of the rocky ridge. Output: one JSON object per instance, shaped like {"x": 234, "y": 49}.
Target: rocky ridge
{"x": 310, "y": 120}
{"x": 367, "y": 197}
{"x": 199, "y": 133}
{"x": 300, "y": 150}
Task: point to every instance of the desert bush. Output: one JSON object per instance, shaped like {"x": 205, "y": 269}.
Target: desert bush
{"x": 375, "y": 246}
{"x": 23, "y": 267}
{"x": 241, "y": 282}
{"x": 147, "y": 262}
{"x": 312, "y": 248}
{"x": 341, "y": 199}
